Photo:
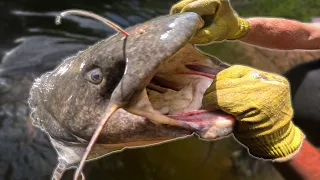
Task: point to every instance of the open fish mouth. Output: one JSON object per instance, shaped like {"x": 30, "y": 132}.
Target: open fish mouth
{"x": 168, "y": 90}
{"x": 177, "y": 90}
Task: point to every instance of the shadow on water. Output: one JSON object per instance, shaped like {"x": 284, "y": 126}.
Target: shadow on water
{"x": 32, "y": 44}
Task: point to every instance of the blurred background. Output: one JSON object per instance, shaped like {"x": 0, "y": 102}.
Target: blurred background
{"x": 32, "y": 44}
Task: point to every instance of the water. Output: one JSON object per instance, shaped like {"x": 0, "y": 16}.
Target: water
{"x": 31, "y": 44}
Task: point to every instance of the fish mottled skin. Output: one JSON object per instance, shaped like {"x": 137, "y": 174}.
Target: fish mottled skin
{"x": 69, "y": 107}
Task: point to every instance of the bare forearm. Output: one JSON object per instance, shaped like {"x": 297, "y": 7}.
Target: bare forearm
{"x": 283, "y": 34}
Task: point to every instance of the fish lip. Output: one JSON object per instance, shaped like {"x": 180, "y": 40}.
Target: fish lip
{"x": 200, "y": 111}
{"x": 184, "y": 116}
{"x": 202, "y": 70}
{"x": 207, "y": 124}
{"x": 193, "y": 69}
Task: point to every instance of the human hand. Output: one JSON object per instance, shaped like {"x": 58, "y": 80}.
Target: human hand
{"x": 261, "y": 103}
{"x": 221, "y": 20}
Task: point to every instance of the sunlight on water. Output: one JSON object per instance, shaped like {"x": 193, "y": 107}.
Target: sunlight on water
{"x": 45, "y": 45}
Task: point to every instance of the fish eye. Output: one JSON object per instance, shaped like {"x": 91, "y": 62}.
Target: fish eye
{"x": 95, "y": 76}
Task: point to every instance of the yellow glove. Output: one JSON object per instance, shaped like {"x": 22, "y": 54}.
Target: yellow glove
{"x": 223, "y": 22}
{"x": 261, "y": 103}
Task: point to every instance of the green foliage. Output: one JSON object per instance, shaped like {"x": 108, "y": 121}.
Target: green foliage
{"x": 302, "y": 10}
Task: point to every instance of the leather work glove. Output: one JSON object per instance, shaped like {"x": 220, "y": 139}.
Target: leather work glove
{"x": 261, "y": 103}
{"x": 222, "y": 23}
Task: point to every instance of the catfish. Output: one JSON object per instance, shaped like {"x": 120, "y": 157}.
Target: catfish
{"x": 141, "y": 86}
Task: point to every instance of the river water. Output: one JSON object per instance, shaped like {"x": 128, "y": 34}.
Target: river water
{"x": 32, "y": 44}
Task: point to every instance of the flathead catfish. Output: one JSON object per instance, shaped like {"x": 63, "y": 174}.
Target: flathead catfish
{"x": 153, "y": 77}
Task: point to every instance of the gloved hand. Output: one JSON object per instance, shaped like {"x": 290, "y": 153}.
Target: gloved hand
{"x": 261, "y": 103}
{"x": 223, "y": 22}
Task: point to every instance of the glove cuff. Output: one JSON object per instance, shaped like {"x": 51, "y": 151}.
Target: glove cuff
{"x": 281, "y": 145}
{"x": 243, "y": 29}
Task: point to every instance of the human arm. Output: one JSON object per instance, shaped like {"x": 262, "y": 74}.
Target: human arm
{"x": 278, "y": 33}
{"x": 304, "y": 166}
{"x": 224, "y": 24}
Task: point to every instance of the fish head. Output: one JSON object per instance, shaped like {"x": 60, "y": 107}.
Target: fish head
{"x": 152, "y": 74}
